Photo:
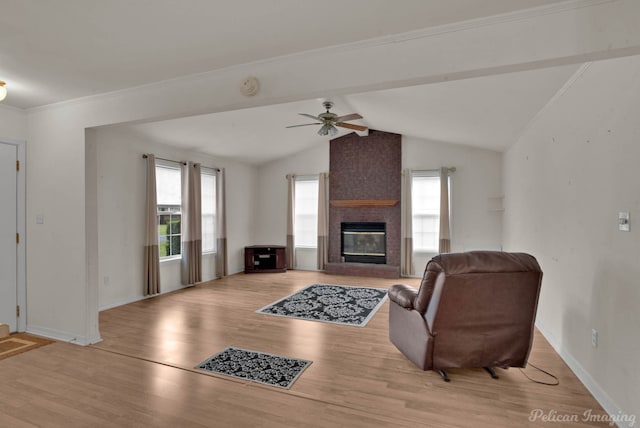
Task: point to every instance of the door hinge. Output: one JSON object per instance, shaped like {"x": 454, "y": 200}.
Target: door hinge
{"x": 18, "y": 311}
{"x": 17, "y": 238}
{"x": 17, "y": 165}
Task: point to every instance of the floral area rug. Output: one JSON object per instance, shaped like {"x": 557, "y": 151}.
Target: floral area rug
{"x": 339, "y": 304}
{"x": 268, "y": 369}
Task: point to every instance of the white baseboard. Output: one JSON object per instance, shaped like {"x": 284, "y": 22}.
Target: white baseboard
{"x": 138, "y": 298}
{"x": 594, "y": 388}
{"x": 62, "y": 336}
{"x": 123, "y": 302}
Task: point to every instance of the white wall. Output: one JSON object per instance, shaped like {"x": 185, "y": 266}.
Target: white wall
{"x": 476, "y": 224}
{"x": 13, "y": 123}
{"x": 271, "y": 222}
{"x": 477, "y": 179}
{"x": 566, "y": 179}
{"x": 120, "y": 177}
{"x": 59, "y": 303}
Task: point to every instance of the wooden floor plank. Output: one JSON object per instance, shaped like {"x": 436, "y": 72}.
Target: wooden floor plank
{"x": 142, "y": 374}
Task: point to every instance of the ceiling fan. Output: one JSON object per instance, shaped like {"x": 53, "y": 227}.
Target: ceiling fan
{"x": 329, "y": 121}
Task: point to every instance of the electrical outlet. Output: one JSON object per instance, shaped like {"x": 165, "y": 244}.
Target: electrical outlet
{"x": 594, "y": 338}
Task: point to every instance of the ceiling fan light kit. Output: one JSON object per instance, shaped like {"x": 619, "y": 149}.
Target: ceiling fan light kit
{"x": 330, "y": 121}
{"x": 327, "y": 129}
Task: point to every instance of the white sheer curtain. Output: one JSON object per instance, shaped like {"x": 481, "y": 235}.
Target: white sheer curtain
{"x": 191, "y": 224}
{"x": 445, "y": 232}
{"x": 323, "y": 222}
{"x": 151, "y": 254}
{"x": 291, "y": 185}
{"x": 221, "y": 225}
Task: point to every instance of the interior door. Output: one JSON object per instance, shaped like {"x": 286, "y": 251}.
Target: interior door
{"x": 8, "y": 230}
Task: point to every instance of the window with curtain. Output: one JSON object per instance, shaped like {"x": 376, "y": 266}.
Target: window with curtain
{"x": 306, "y": 212}
{"x": 425, "y": 200}
{"x": 168, "y": 185}
{"x": 169, "y": 201}
{"x": 208, "y": 191}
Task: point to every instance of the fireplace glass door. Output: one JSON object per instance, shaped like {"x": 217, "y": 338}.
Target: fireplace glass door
{"x": 364, "y": 242}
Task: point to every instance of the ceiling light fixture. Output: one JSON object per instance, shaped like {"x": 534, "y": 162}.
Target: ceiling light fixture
{"x": 329, "y": 121}
{"x": 3, "y": 90}
{"x": 328, "y": 129}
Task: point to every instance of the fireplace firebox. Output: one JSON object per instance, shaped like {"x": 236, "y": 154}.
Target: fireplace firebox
{"x": 364, "y": 242}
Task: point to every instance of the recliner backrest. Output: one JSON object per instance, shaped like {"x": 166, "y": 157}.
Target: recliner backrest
{"x": 480, "y": 307}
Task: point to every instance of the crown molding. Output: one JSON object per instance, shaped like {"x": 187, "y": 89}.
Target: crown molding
{"x": 12, "y": 108}
{"x": 514, "y": 16}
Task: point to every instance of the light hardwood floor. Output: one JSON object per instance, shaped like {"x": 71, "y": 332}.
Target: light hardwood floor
{"x": 141, "y": 373}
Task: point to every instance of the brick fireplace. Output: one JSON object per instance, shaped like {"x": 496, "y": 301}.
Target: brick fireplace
{"x": 364, "y": 187}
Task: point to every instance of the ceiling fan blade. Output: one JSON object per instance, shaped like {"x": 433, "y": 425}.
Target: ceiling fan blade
{"x": 304, "y": 124}
{"x": 309, "y": 115}
{"x": 351, "y": 126}
{"x": 352, "y": 116}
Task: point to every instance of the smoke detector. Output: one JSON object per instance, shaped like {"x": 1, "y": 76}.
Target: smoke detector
{"x": 249, "y": 86}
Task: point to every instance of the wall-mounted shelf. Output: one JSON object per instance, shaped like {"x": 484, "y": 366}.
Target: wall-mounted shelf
{"x": 354, "y": 203}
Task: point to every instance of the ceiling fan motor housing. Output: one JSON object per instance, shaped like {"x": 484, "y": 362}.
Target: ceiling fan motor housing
{"x": 328, "y": 116}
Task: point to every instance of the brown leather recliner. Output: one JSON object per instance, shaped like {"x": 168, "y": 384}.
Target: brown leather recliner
{"x": 474, "y": 309}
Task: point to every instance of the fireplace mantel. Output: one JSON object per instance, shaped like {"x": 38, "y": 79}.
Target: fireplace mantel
{"x": 354, "y": 203}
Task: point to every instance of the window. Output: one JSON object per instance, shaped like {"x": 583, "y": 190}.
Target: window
{"x": 208, "y": 192}
{"x": 169, "y": 193}
{"x": 169, "y": 209}
{"x": 425, "y": 201}
{"x": 306, "y": 212}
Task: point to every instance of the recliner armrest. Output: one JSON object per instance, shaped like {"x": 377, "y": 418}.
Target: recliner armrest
{"x": 403, "y": 295}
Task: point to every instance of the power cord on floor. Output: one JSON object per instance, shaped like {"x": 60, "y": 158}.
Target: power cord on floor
{"x": 557, "y": 382}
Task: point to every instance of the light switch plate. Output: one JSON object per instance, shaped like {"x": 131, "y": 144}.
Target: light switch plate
{"x": 623, "y": 221}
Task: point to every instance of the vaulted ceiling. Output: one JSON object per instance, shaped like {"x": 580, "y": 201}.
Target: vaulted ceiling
{"x": 56, "y": 51}
{"x": 485, "y": 112}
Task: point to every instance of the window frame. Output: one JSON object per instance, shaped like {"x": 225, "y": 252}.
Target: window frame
{"x": 305, "y": 178}
{"x": 174, "y": 166}
{"x": 429, "y": 174}
{"x": 211, "y": 172}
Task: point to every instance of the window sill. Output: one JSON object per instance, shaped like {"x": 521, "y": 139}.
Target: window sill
{"x": 178, "y": 258}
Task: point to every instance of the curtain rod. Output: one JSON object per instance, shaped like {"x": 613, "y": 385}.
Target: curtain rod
{"x": 305, "y": 175}
{"x": 145, "y": 156}
{"x": 450, "y": 169}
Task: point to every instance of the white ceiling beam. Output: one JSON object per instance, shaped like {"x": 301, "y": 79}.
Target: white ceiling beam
{"x": 574, "y": 32}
